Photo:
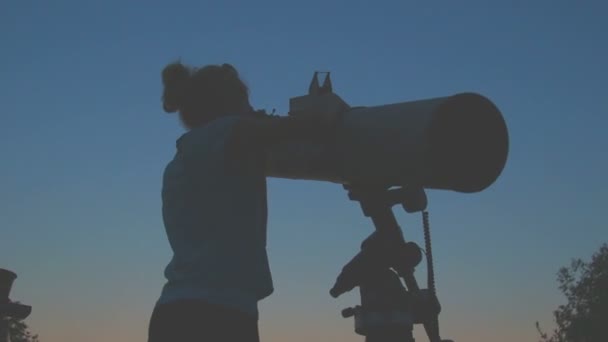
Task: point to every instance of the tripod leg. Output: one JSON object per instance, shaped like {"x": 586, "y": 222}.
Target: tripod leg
{"x": 391, "y": 335}
{"x": 432, "y": 329}
{"x": 3, "y": 329}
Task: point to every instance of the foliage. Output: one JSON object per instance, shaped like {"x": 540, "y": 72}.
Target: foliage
{"x": 19, "y": 332}
{"x": 585, "y": 316}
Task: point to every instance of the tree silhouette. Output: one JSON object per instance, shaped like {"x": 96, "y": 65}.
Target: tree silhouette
{"x": 19, "y": 332}
{"x": 585, "y": 317}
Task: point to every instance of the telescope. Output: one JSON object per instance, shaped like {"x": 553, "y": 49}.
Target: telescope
{"x": 389, "y": 155}
{"x": 456, "y": 142}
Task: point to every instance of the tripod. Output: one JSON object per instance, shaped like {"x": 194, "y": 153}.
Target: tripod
{"x": 388, "y": 310}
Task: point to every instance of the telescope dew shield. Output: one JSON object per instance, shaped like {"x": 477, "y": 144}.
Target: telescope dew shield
{"x": 468, "y": 144}
{"x": 457, "y": 143}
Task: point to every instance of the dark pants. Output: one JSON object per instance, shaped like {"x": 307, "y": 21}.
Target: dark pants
{"x": 198, "y": 321}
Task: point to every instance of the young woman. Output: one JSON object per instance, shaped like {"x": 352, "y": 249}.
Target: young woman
{"x": 214, "y": 203}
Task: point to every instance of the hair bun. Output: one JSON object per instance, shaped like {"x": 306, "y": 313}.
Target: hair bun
{"x": 175, "y": 78}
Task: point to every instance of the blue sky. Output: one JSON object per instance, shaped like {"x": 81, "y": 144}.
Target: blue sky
{"x": 83, "y": 141}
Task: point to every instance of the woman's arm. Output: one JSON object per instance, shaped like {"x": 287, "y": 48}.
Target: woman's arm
{"x": 267, "y": 131}
{"x": 316, "y": 123}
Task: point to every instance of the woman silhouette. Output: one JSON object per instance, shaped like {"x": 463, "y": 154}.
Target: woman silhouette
{"x": 214, "y": 203}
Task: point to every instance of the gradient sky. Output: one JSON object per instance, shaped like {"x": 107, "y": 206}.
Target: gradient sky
{"x": 84, "y": 140}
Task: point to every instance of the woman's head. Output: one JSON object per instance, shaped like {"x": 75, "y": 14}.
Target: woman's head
{"x": 203, "y": 94}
